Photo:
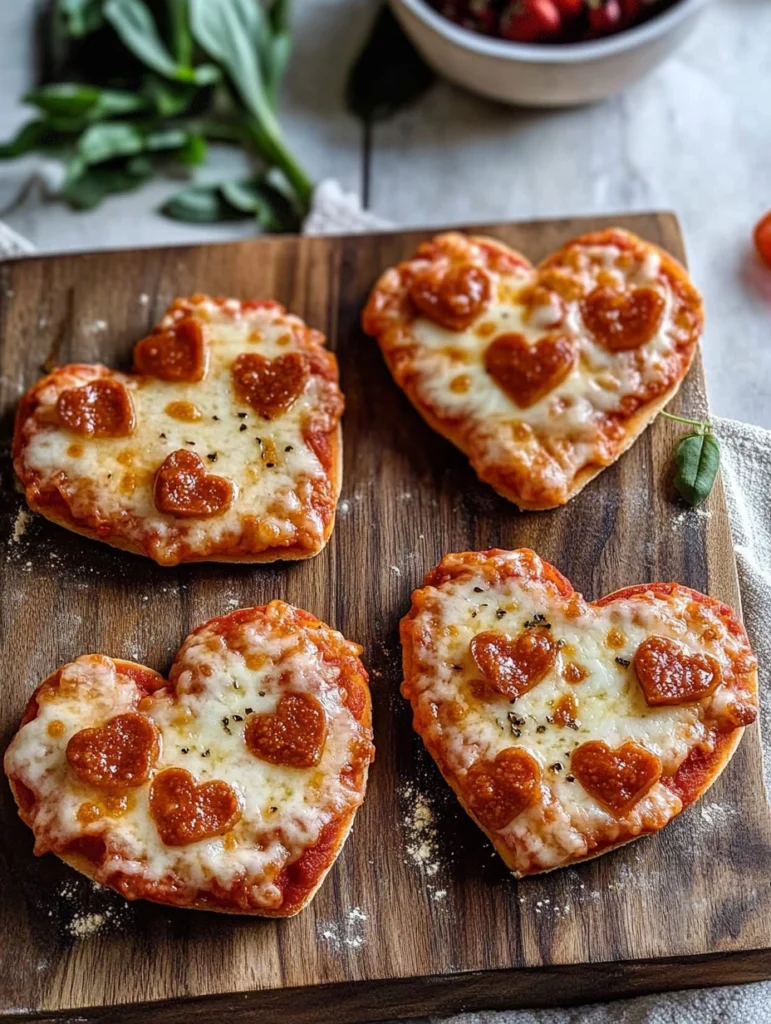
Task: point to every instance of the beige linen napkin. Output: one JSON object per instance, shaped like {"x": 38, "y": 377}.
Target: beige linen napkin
{"x": 746, "y": 469}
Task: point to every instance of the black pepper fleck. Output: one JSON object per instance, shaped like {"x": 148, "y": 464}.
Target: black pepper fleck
{"x": 570, "y": 778}
{"x": 289, "y": 448}
{"x": 556, "y": 767}
{"x": 273, "y": 810}
{"x": 163, "y": 436}
{"x": 260, "y": 693}
{"x": 216, "y": 418}
{"x": 206, "y": 753}
{"x": 242, "y": 415}
{"x": 572, "y": 724}
{"x": 457, "y": 668}
{"x": 624, "y": 662}
{"x": 540, "y": 728}
{"x": 500, "y": 613}
{"x": 242, "y": 427}
{"x": 550, "y": 720}
{"x": 185, "y": 750}
{"x": 477, "y": 590}
{"x": 190, "y": 442}
{"x": 248, "y": 711}
{"x": 270, "y": 465}
{"x": 212, "y": 457}
{"x": 473, "y": 615}
{"x": 238, "y": 718}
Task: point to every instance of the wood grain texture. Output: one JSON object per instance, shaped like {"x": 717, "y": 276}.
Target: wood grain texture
{"x": 652, "y": 915}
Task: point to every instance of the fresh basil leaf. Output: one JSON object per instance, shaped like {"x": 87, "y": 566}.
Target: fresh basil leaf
{"x": 73, "y": 100}
{"x": 87, "y": 189}
{"x": 179, "y": 28}
{"x": 230, "y": 31}
{"x": 272, "y": 209}
{"x": 134, "y": 24}
{"x": 103, "y": 142}
{"x": 698, "y": 461}
{"x": 194, "y": 150}
{"x": 388, "y": 74}
{"x": 169, "y": 99}
{"x": 80, "y": 17}
{"x": 201, "y": 204}
{"x": 29, "y": 137}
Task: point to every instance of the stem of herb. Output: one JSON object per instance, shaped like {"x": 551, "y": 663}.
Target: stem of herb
{"x": 705, "y": 427}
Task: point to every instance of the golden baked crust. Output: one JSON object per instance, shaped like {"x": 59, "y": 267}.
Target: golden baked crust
{"x": 541, "y": 418}
{"x": 297, "y": 775}
{"x": 588, "y": 693}
{"x": 243, "y": 393}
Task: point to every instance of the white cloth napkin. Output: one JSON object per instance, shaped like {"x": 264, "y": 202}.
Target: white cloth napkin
{"x": 746, "y": 470}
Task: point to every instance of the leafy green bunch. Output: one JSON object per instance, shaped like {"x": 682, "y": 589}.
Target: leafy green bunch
{"x": 135, "y": 87}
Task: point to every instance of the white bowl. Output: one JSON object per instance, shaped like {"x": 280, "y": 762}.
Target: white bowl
{"x": 544, "y": 75}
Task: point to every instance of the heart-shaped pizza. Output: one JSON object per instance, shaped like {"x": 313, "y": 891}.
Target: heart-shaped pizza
{"x": 230, "y": 786}
{"x": 223, "y": 444}
{"x": 567, "y": 728}
{"x": 542, "y": 375}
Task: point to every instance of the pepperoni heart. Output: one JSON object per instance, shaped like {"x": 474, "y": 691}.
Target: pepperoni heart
{"x": 528, "y": 372}
{"x": 622, "y": 321}
{"x": 294, "y": 735}
{"x": 119, "y": 754}
{"x": 101, "y": 408}
{"x": 618, "y": 779}
{"x": 499, "y": 790}
{"x": 669, "y": 674}
{"x": 452, "y": 298}
{"x": 513, "y": 666}
{"x": 176, "y": 354}
{"x": 185, "y": 490}
{"x": 271, "y": 386}
{"x": 185, "y": 811}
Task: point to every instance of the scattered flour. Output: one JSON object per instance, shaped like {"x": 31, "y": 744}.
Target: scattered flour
{"x": 20, "y": 525}
{"x": 344, "y": 508}
{"x": 97, "y": 326}
{"x": 691, "y": 518}
{"x": 346, "y": 934}
{"x": 420, "y": 831}
{"x": 396, "y": 570}
{"x": 84, "y": 925}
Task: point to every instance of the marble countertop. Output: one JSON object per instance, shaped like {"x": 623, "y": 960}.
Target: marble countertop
{"x": 694, "y": 137}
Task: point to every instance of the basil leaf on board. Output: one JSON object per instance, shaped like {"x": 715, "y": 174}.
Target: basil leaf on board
{"x": 698, "y": 461}
{"x": 388, "y": 74}
{"x": 201, "y": 204}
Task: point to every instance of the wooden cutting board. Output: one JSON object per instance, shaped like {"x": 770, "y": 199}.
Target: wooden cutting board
{"x": 418, "y": 915}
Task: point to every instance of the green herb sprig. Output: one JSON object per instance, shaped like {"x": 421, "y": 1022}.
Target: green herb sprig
{"x": 698, "y": 460}
{"x": 133, "y": 88}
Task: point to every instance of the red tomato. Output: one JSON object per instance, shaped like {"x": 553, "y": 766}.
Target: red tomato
{"x": 606, "y": 17}
{"x": 528, "y": 20}
{"x": 762, "y": 238}
{"x": 570, "y": 8}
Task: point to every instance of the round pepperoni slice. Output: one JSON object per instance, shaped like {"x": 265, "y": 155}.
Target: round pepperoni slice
{"x": 116, "y": 755}
{"x": 185, "y": 490}
{"x": 453, "y": 298}
{"x": 618, "y": 779}
{"x": 499, "y": 790}
{"x": 294, "y": 735}
{"x": 669, "y": 674}
{"x": 176, "y": 354}
{"x": 512, "y": 666}
{"x": 622, "y": 321}
{"x": 185, "y": 811}
{"x": 528, "y": 372}
{"x": 101, "y": 408}
{"x": 271, "y": 386}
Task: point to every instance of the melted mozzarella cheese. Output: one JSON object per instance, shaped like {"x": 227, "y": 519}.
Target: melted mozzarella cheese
{"x": 565, "y": 821}
{"x": 270, "y": 464}
{"x": 283, "y": 808}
